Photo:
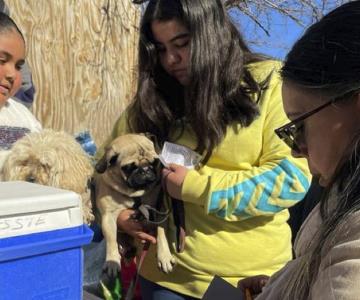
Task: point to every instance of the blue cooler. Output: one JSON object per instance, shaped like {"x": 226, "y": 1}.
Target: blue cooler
{"x": 41, "y": 235}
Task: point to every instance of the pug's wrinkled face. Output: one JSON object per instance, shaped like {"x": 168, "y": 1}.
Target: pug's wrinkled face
{"x": 131, "y": 163}
{"x": 139, "y": 175}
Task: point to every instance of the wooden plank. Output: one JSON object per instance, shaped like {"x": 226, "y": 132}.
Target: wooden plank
{"x": 83, "y": 58}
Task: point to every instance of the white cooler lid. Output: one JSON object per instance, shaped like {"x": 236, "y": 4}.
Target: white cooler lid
{"x": 28, "y": 208}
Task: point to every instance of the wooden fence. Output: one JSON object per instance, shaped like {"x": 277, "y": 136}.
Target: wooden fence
{"x": 83, "y": 59}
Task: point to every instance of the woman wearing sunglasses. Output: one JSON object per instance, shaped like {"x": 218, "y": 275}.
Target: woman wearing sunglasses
{"x": 321, "y": 95}
{"x": 201, "y": 87}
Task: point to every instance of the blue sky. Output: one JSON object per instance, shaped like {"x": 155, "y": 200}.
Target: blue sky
{"x": 283, "y": 31}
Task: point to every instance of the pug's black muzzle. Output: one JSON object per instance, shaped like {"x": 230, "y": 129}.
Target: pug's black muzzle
{"x": 141, "y": 177}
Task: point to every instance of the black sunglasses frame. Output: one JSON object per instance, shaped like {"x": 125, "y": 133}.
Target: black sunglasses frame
{"x": 287, "y": 132}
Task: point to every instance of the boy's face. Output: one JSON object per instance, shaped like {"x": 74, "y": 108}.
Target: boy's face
{"x": 12, "y": 57}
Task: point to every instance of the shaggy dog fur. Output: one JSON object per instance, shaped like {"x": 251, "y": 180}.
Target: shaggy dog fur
{"x": 54, "y": 159}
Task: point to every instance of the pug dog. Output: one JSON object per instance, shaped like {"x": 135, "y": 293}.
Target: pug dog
{"x": 129, "y": 169}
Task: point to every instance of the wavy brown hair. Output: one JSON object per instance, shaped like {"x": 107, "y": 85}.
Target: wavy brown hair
{"x": 220, "y": 85}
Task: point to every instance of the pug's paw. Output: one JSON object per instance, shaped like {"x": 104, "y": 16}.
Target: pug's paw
{"x": 112, "y": 268}
{"x": 166, "y": 262}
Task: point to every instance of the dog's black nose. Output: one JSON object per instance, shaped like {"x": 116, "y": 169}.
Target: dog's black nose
{"x": 142, "y": 177}
{"x": 30, "y": 178}
{"x": 148, "y": 174}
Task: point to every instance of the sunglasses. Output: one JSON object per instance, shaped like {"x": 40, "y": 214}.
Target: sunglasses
{"x": 291, "y": 133}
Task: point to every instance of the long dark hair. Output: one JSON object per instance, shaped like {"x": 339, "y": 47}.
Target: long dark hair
{"x": 326, "y": 58}
{"x": 220, "y": 85}
{"x": 8, "y": 24}
{"x": 326, "y": 61}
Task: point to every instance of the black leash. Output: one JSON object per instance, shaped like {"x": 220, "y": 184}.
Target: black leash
{"x": 148, "y": 214}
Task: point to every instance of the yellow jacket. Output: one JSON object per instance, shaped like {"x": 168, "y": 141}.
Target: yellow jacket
{"x": 235, "y": 206}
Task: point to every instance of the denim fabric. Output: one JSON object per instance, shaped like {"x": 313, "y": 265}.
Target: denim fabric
{"x": 153, "y": 291}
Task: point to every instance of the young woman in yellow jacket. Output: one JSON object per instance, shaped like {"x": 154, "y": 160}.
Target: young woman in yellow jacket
{"x": 200, "y": 86}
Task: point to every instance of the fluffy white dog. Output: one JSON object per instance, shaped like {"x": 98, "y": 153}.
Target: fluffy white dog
{"x": 54, "y": 159}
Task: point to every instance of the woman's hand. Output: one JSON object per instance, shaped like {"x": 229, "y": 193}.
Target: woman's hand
{"x": 173, "y": 178}
{"x": 254, "y": 284}
{"x": 132, "y": 227}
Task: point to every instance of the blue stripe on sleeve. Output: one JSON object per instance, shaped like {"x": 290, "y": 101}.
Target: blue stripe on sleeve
{"x": 222, "y": 201}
